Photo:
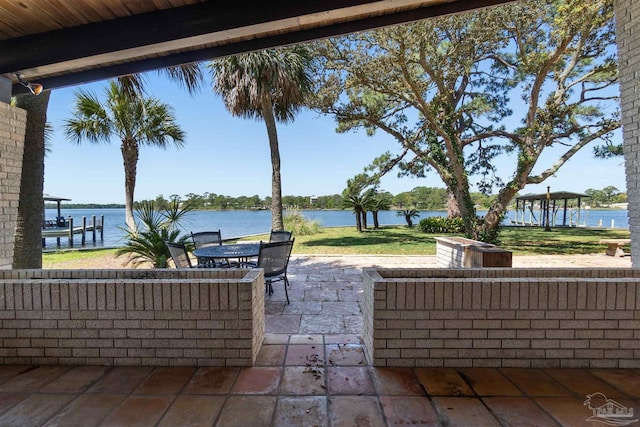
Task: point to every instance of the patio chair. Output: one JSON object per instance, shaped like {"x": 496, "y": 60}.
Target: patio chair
{"x": 203, "y": 239}
{"x": 280, "y": 236}
{"x": 180, "y": 255}
{"x": 274, "y": 259}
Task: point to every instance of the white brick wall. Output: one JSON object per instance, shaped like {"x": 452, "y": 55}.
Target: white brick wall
{"x": 502, "y": 317}
{"x": 628, "y": 40}
{"x": 12, "y": 130}
{"x": 131, "y": 317}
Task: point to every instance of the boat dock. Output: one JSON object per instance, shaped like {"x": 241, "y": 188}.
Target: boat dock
{"x": 95, "y": 228}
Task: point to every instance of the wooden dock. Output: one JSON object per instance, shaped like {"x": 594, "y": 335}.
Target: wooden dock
{"x": 94, "y": 228}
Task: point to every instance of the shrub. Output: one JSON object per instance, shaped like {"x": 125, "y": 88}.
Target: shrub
{"x": 441, "y": 224}
{"x": 300, "y": 225}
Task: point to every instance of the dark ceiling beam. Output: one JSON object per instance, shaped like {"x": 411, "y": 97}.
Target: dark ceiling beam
{"x": 148, "y": 64}
{"x": 150, "y": 28}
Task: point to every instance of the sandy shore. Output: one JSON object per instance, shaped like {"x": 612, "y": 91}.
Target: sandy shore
{"x": 360, "y": 261}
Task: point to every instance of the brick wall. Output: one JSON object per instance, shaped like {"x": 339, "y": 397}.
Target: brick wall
{"x": 131, "y": 317}
{"x": 502, "y": 317}
{"x": 628, "y": 40}
{"x": 12, "y": 126}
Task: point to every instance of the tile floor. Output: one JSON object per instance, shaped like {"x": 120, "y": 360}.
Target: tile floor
{"x": 307, "y": 380}
{"x": 311, "y": 371}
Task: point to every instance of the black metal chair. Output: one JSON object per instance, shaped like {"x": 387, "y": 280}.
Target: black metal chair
{"x": 274, "y": 259}
{"x": 280, "y": 236}
{"x": 203, "y": 239}
{"x": 180, "y": 255}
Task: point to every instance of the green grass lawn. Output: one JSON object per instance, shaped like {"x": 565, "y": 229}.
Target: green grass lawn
{"x": 400, "y": 240}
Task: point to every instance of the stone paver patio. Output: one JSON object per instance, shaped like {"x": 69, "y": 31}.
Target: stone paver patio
{"x": 312, "y": 371}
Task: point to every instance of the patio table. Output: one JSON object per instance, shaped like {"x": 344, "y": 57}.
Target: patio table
{"x": 239, "y": 251}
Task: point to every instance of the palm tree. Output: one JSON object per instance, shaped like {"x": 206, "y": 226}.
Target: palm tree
{"x": 146, "y": 243}
{"x": 28, "y": 242}
{"x": 379, "y": 204}
{"x": 408, "y": 215}
{"x": 357, "y": 202}
{"x": 269, "y": 85}
{"x": 135, "y": 121}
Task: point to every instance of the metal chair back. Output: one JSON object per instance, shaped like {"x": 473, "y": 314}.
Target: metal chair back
{"x": 273, "y": 258}
{"x": 179, "y": 255}
{"x": 206, "y": 238}
{"x": 280, "y": 236}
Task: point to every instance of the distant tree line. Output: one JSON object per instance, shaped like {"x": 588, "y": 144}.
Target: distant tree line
{"x": 605, "y": 197}
{"x": 420, "y": 198}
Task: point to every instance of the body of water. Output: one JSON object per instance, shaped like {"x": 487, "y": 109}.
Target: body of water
{"x": 242, "y": 223}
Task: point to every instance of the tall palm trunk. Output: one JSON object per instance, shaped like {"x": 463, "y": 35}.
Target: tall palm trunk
{"x": 28, "y": 243}
{"x": 376, "y": 224}
{"x": 358, "y": 220}
{"x": 277, "y": 222}
{"x": 130, "y": 153}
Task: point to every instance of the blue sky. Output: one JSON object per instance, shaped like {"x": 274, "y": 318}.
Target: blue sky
{"x": 229, "y": 155}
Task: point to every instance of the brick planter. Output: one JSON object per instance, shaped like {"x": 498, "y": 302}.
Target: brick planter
{"x": 586, "y": 318}
{"x": 202, "y": 317}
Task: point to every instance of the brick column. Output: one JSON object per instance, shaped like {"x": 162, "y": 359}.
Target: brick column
{"x": 628, "y": 40}
{"x": 12, "y": 130}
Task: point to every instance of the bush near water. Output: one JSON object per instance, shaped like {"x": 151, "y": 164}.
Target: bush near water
{"x": 441, "y": 224}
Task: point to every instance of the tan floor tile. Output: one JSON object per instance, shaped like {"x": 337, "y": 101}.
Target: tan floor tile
{"x": 258, "y": 381}
{"x": 212, "y": 381}
{"x": 282, "y": 324}
{"x": 35, "y": 410}
{"x": 34, "y": 379}
{"x": 305, "y": 355}
{"x": 349, "y": 411}
{"x": 307, "y": 339}
{"x": 342, "y": 339}
{"x": 138, "y": 411}
{"x": 8, "y": 400}
{"x": 518, "y": 411}
{"x": 305, "y": 411}
{"x": 76, "y": 380}
{"x": 121, "y": 380}
{"x": 165, "y": 381}
{"x": 568, "y": 411}
{"x": 9, "y": 371}
{"x": 625, "y": 380}
{"x": 244, "y": 411}
{"x": 582, "y": 382}
{"x": 86, "y": 411}
{"x": 303, "y": 380}
{"x": 489, "y": 382}
{"x": 193, "y": 411}
{"x": 464, "y": 412}
{"x": 345, "y": 355}
{"x": 443, "y": 382}
{"x": 409, "y": 411}
{"x": 396, "y": 382}
{"x": 275, "y": 339}
{"x": 271, "y": 355}
{"x": 535, "y": 382}
{"x": 349, "y": 380}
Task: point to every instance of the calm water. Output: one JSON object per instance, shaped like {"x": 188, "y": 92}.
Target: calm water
{"x": 242, "y": 223}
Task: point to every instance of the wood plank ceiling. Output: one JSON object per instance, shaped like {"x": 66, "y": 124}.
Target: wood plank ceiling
{"x": 60, "y": 42}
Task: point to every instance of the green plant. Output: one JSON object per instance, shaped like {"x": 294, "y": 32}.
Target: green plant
{"x": 408, "y": 215}
{"x": 300, "y": 225}
{"x": 441, "y": 224}
{"x": 146, "y": 242}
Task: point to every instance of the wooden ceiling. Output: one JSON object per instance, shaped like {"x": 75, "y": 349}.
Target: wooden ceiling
{"x": 67, "y": 42}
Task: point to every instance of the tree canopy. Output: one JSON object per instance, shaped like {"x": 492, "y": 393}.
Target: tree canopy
{"x": 444, "y": 89}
